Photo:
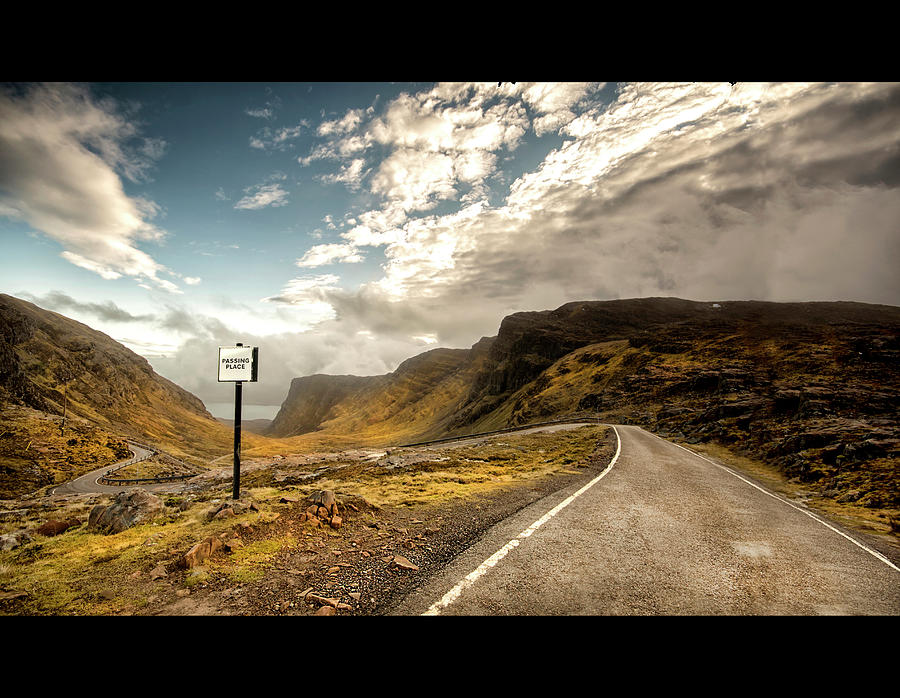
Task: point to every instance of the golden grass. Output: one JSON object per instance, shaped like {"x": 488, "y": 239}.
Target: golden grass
{"x": 466, "y": 471}
{"x": 85, "y": 573}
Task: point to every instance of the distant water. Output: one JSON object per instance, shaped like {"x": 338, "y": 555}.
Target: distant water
{"x": 225, "y": 410}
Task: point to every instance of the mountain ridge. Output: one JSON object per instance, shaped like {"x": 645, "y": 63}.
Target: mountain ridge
{"x": 810, "y": 387}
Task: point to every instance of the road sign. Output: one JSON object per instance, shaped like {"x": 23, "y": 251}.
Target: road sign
{"x": 238, "y": 363}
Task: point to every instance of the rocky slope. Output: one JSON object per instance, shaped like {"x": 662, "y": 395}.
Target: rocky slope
{"x": 812, "y": 388}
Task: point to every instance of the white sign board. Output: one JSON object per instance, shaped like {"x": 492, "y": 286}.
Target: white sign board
{"x": 238, "y": 364}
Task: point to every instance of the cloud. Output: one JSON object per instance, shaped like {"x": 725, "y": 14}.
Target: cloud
{"x": 267, "y": 111}
{"x": 108, "y": 311}
{"x": 263, "y": 195}
{"x": 320, "y": 255}
{"x": 553, "y": 102}
{"x": 278, "y": 138}
{"x": 64, "y": 154}
{"x": 441, "y": 144}
{"x": 351, "y": 174}
{"x": 699, "y": 190}
{"x": 310, "y": 292}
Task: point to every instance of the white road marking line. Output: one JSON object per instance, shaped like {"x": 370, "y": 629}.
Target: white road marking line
{"x": 874, "y": 553}
{"x": 473, "y": 576}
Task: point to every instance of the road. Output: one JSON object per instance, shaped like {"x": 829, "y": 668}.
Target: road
{"x": 663, "y": 531}
{"x": 87, "y": 483}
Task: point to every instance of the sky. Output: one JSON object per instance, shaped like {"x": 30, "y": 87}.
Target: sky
{"x": 345, "y": 227}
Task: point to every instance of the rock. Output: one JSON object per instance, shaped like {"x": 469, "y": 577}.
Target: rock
{"x": 54, "y": 527}
{"x": 325, "y": 611}
{"x": 128, "y": 509}
{"x": 9, "y": 541}
{"x": 159, "y": 572}
{"x": 10, "y": 595}
{"x": 335, "y": 522}
{"x": 323, "y": 498}
{"x": 324, "y": 600}
{"x": 230, "y": 507}
{"x": 200, "y": 552}
{"x": 403, "y": 563}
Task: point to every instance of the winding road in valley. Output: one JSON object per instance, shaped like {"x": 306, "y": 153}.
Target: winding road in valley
{"x": 663, "y": 531}
{"x": 88, "y": 483}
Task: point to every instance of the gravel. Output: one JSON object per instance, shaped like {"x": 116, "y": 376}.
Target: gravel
{"x": 365, "y": 567}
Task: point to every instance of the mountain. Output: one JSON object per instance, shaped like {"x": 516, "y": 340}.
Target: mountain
{"x": 812, "y": 388}
{"x": 418, "y": 400}
{"x": 55, "y": 365}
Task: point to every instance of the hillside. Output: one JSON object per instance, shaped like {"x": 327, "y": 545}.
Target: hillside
{"x": 51, "y": 365}
{"x": 419, "y": 400}
{"x": 811, "y": 388}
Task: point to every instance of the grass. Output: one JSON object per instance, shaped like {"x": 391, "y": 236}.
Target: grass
{"x": 466, "y": 471}
{"x": 85, "y": 573}
{"x": 36, "y": 450}
{"x": 249, "y": 563}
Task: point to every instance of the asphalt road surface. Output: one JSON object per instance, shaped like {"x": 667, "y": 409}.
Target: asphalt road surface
{"x": 663, "y": 531}
{"x": 87, "y": 483}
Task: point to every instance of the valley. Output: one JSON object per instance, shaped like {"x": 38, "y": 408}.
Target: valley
{"x": 800, "y": 397}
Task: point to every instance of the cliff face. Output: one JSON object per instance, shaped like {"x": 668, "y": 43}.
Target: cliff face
{"x": 810, "y": 388}
{"x": 52, "y": 363}
{"x": 529, "y": 343}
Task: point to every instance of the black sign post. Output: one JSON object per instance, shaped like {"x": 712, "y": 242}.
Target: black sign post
{"x": 238, "y": 364}
{"x": 236, "y": 492}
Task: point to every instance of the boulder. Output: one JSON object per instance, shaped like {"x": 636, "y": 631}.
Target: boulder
{"x": 231, "y": 507}
{"x": 323, "y": 498}
{"x": 9, "y": 541}
{"x": 200, "y": 552}
{"x": 127, "y": 509}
